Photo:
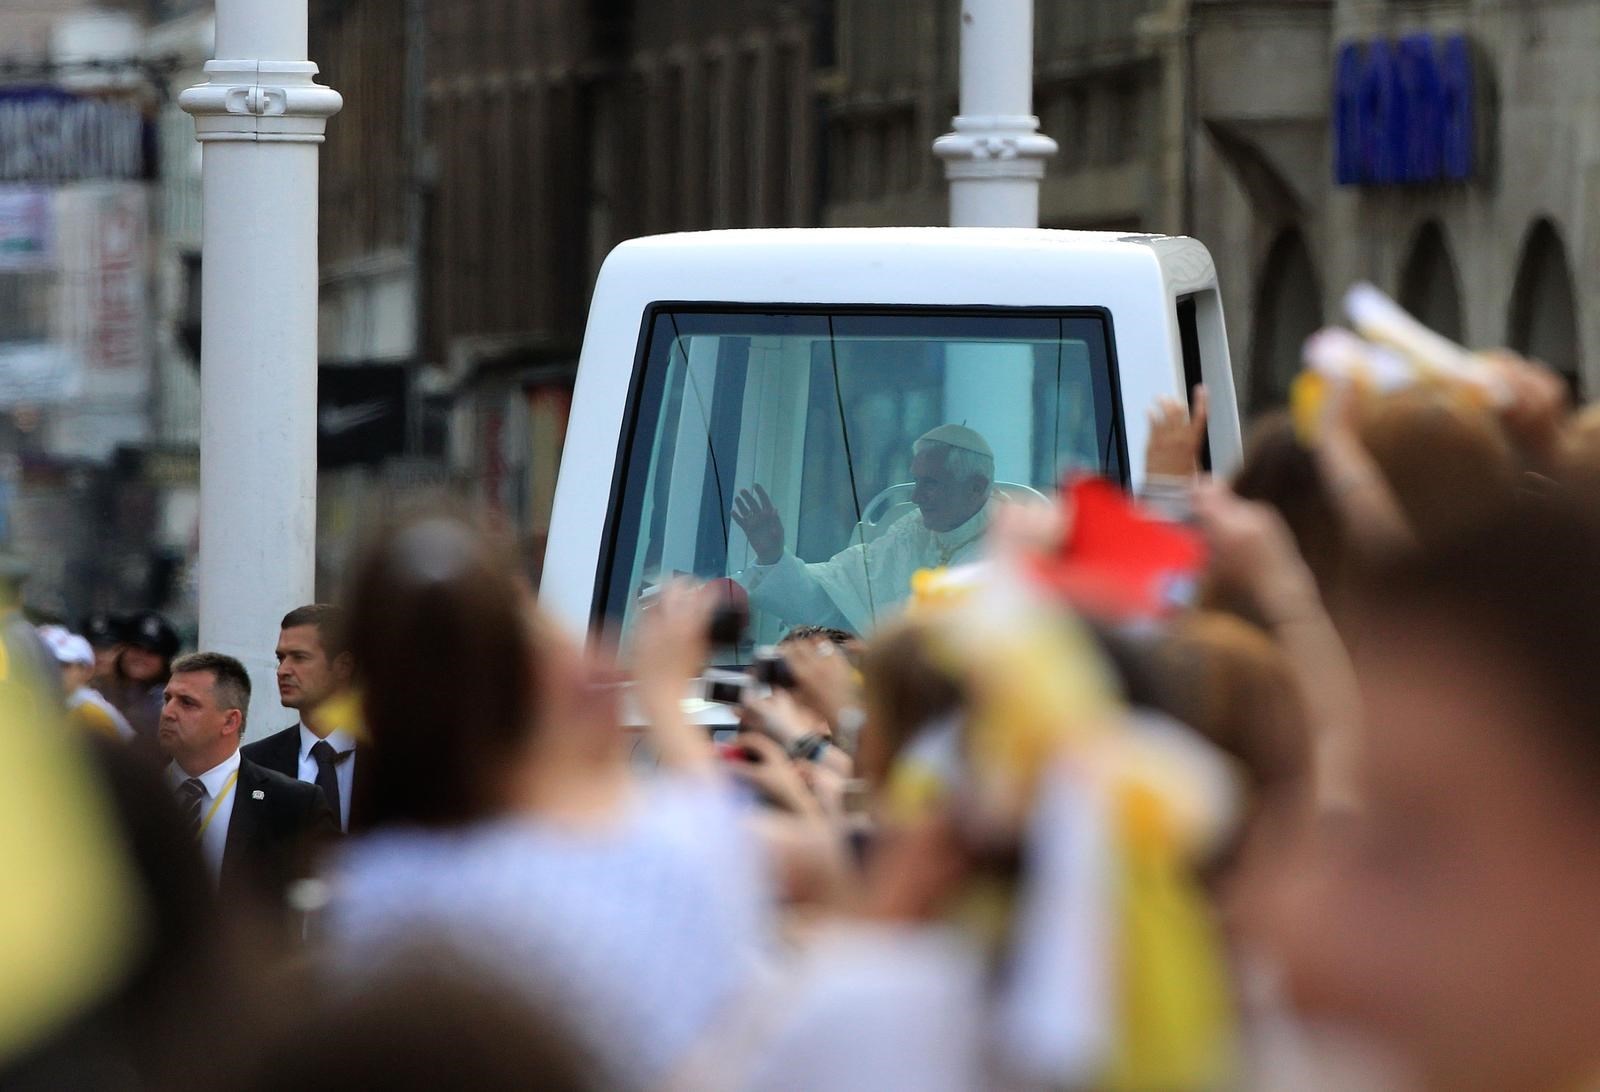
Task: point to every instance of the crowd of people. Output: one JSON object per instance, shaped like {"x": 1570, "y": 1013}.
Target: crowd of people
{"x": 1293, "y": 788}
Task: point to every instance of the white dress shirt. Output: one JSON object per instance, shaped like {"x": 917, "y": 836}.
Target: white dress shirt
{"x": 344, "y": 745}
{"x": 215, "y": 838}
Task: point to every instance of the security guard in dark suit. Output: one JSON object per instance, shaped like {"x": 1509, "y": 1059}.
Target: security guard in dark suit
{"x": 255, "y": 829}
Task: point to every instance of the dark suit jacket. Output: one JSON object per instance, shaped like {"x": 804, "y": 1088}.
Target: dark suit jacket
{"x": 276, "y": 826}
{"x": 280, "y": 752}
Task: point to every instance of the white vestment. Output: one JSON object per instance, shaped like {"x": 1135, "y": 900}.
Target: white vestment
{"x": 864, "y": 583}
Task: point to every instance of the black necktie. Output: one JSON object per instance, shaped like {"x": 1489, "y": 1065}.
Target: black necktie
{"x": 190, "y": 794}
{"x": 327, "y": 776}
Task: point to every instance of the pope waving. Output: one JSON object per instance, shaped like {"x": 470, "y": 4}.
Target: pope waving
{"x": 953, "y": 470}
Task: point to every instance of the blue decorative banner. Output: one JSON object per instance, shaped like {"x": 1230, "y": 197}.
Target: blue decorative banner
{"x": 1404, "y": 112}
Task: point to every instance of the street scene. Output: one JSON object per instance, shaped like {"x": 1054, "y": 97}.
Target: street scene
{"x": 800, "y": 545}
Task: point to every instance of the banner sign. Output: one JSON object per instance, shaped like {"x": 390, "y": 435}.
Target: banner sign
{"x": 38, "y": 373}
{"x": 49, "y": 136}
{"x": 1405, "y": 111}
{"x": 100, "y": 289}
{"x": 117, "y": 288}
{"x": 25, "y": 237}
{"x": 361, "y": 413}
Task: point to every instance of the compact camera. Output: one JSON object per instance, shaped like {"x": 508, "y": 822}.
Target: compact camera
{"x": 769, "y": 671}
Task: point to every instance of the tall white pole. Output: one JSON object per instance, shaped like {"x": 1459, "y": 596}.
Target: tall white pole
{"x": 260, "y": 118}
{"x": 995, "y": 157}
{"x": 995, "y": 161}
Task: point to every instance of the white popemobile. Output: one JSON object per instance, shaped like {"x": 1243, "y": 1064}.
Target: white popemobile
{"x": 816, "y": 413}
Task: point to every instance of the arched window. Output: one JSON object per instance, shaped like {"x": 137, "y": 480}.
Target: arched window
{"x": 1429, "y": 287}
{"x": 1288, "y": 310}
{"x": 1544, "y": 313}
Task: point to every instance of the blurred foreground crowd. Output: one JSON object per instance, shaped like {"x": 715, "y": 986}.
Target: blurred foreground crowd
{"x": 1288, "y": 781}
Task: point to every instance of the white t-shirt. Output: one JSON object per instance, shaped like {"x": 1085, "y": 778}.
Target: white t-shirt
{"x": 865, "y": 1008}
{"x": 644, "y": 932}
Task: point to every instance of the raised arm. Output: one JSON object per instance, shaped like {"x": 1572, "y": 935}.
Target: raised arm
{"x": 758, "y": 518}
{"x": 670, "y": 650}
{"x": 1254, "y": 553}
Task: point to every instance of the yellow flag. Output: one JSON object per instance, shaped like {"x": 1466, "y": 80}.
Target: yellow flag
{"x": 70, "y": 911}
{"x": 1177, "y": 1021}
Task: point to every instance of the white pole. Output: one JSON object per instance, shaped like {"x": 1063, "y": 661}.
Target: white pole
{"x": 259, "y": 118}
{"x": 995, "y": 161}
{"x": 995, "y": 157}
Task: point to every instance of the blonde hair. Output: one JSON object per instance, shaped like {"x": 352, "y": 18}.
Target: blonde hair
{"x": 1233, "y": 685}
{"x": 905, "y": 691}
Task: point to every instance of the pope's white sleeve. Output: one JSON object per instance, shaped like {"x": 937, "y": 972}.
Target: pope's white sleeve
{"x": 789, "y": 589}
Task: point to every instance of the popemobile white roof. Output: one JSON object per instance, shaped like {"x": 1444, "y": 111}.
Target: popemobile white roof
{"x": 1016, "y": 267}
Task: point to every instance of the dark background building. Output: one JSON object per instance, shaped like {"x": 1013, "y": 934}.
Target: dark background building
{"x": 502, "y": 147}
{"x": 491, "y": 152}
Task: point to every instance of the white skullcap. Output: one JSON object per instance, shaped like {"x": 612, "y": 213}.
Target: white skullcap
{"x": 960, "y": 437}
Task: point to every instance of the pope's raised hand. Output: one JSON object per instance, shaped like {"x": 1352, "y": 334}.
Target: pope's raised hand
{"x": 758, "y": 517}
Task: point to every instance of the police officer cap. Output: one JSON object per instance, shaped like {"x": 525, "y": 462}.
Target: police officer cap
{"x": 102, "y": 628}
{"x": 150, "y": 631}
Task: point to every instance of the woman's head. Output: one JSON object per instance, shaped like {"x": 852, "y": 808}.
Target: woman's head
{"x": 1450, "y": 466}
{"x": 1279, "y": 470}
{"x": 1229, "y": 682}
{"x": 442, "y": 631}
{"x": 1453, "y": 917}
{"x": 905, "y": 691}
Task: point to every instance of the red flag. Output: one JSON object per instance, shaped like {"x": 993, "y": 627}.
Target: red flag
{"x": 1117, "y": 562}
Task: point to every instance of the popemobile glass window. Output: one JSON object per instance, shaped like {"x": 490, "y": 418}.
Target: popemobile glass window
{"x": 819, "y": 459}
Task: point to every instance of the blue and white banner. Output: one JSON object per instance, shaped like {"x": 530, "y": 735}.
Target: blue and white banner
{"x": 49, "y": 136}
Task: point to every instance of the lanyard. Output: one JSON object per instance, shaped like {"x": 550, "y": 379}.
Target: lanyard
{"x": 227, "y": 787}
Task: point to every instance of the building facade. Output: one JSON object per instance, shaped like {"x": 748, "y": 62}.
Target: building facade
{"x": 1245, "y": 122}
{"x": 98, "y": 402}
{"x": 490, "y": 154}
{"x": 1443, "y": 151}
{"x": 1439, "y": 148}
{"x": 1104, "y": 89}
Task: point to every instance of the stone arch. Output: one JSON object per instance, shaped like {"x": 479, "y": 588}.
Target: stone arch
{"x": 1544, "y": 309}
{"x": 1288, "y": 310}
{"x": 1429, "y": 286}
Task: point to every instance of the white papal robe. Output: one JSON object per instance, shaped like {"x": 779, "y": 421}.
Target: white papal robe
{"x": 863, "y": 584}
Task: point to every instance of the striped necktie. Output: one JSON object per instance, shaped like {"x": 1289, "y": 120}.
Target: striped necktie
{"x": 190, "y": 795}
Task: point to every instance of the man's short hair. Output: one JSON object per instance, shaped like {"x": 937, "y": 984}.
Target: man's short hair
{"x": 231, "y": 681}
{"x": 840, "y": 637}
{"x": 961, "y": 462}
{"x": 329, "y": 620}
